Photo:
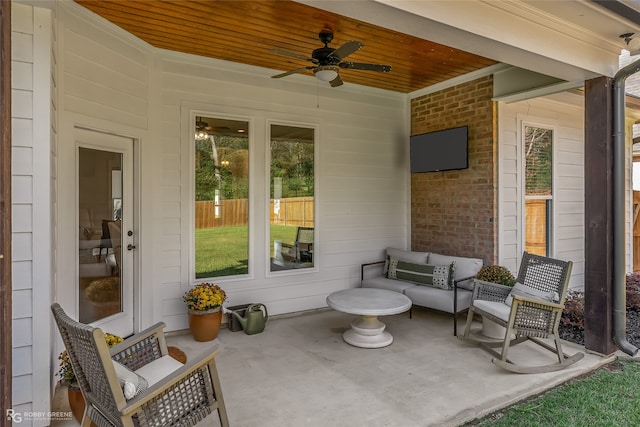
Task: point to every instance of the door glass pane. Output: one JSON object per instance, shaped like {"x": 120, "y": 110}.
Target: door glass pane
{"x": 100, "y": 234}
{"x": 221, "y": 197}
{"x": 538, "y": 148}
{"x": 292, "y": 197}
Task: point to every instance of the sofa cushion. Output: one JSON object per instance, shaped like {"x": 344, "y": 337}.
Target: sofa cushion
{"x": 528, "y": 292}
{"x": 388, "y": 284}
{"x": 411, "y": 256}
{"x": 465, "y": 267}
{"x": 438, "y": 276}
{"x": 438, "y": 299}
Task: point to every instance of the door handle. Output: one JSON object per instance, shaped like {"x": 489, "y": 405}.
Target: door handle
{"x": 130, "y": 247}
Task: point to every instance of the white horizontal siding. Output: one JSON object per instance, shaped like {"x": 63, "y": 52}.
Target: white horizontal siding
{"x": 32, "y": 91}
{"x": 114, "y": 82}
{"x": 361, "y": 198}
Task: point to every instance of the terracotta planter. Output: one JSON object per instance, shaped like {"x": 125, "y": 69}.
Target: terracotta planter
{"x": 204, "y": 325}
{"x": 77, "y": 404}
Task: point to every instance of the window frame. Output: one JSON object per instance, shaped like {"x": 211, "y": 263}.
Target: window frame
{"x": 267, "y": 192}
{"x": 189, "y": 210}
{"x": 552, "y": 210}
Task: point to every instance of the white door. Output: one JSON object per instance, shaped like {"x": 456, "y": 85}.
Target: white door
{"x": 106, "y": 239}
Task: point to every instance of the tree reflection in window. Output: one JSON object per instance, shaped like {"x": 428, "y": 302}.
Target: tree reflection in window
{"x": 538, "y": 153}
{"x": 221, "y": 197}
{"x": 292, "y": 197}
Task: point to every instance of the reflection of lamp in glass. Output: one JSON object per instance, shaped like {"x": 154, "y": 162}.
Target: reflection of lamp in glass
{"x": 200, "y": 127}
{"x": 326, "y": 73}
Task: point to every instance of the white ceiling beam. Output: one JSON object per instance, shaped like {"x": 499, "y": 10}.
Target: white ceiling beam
{"x": 512, "y": 32}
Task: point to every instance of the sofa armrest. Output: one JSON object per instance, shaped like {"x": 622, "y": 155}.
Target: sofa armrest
{"x": 457, "y": 282}
{"x": 368, "y": 264}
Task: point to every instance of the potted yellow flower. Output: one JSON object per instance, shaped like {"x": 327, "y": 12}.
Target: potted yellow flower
{"x": 204, "y": 303}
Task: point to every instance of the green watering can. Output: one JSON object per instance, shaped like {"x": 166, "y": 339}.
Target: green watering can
{"x": 254, "y": 318}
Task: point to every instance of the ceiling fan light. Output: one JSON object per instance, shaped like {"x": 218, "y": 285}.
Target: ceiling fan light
{"x": 326, "y": 74}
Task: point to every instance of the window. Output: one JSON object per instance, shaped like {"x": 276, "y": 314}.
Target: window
{"x": 538, "y": 152}
{"x": 221, "y": 197}
{"x": 292, "y": 201}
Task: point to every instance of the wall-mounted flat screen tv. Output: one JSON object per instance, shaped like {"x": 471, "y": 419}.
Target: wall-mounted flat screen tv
{"x": 439, "y": 151}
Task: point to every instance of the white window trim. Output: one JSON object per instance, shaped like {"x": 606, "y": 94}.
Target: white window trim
{"x": 267, "y": 192}
{"x": 523, "y": 122}
{"x": 188, "y": 118}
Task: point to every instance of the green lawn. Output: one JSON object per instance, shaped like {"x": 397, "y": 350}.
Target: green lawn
{"x": 607, "y": 398}
{"x": 223, "y": 251}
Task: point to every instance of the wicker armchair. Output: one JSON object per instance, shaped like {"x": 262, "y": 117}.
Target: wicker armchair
{"x": 302, "y": 249}
{"x": 179, "y": 398}
{"x": 529, "y": 311}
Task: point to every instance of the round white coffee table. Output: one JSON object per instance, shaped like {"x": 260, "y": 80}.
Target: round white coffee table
{"x": 369, "y": 303}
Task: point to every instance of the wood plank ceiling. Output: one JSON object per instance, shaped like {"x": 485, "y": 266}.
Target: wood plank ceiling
{"x": 248, "y": 31}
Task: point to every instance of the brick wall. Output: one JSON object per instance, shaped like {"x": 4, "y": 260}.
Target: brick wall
{"x": 452, "y": 212}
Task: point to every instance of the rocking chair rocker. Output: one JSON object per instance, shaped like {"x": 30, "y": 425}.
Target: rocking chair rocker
{"x": 529, "y": 311}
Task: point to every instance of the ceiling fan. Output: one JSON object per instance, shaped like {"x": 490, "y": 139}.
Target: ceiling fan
{"x": 327, "y": 61}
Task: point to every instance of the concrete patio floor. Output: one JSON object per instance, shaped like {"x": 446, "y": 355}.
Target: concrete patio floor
{"x": 299, "y": 372}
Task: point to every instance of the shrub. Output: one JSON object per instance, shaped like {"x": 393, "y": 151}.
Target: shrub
{"x": 633, "y": 291}
{"x": 573, "y": 313}
{"x": 496, "y": 274}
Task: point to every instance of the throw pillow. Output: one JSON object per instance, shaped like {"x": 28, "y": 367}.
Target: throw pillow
{"x": 528, "y": 292}
{"x": 409, "y": 256}
{"x": 438, "y": 276}
{"x": 131, "y": 383}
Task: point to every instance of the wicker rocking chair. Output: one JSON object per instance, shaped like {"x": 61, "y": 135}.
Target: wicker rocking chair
{"x": 177, "y": 395}
{"x": 529, "y": 311}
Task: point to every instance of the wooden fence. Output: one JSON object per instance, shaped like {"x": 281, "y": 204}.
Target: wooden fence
{"x": 296, "y": 211}
{"x": 536, "y": 226}
{"x": 227, "y": 213}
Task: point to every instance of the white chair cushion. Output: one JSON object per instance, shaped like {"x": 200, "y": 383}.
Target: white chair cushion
{"x": 158, "y": 369}
{"x": 131, "y": 383}
{"x": 495, "y": 308}
{"x": 528, "y": 292}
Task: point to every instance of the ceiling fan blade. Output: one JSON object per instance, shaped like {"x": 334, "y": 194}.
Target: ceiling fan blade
{"x": 336, "y": 82}
{"x": 299, "y": 70}
{"x": 293, "y": 55}
{"x": 346, "y": 49}
{"x": 368, "y": 67}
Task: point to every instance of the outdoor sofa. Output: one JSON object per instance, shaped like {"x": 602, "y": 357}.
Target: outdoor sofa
{"x": 431, "y": 280}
